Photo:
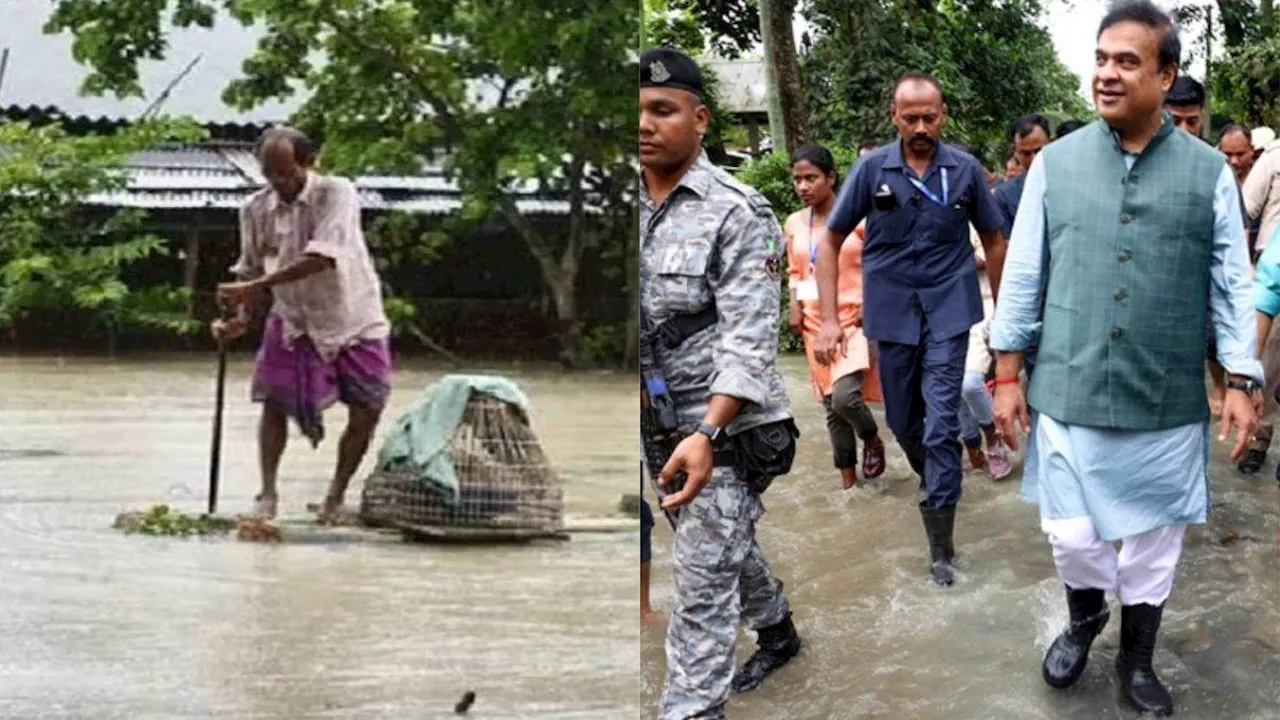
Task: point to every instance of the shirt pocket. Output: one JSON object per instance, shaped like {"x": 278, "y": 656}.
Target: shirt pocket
{"x": 680, "y": 284}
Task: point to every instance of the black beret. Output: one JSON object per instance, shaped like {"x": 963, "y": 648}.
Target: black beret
{"x": 663, "y": 67}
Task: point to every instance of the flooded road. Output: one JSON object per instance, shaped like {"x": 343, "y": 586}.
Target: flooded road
{"x": 883, "y": 643}
{"x": 99, "y": 625}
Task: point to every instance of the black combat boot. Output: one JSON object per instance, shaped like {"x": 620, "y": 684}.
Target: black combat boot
{"x": 938, "y": 526}
{"x": 1138, "y": 627}
{"x": 777, "y": 644}
{"x": 1068, "y": 654}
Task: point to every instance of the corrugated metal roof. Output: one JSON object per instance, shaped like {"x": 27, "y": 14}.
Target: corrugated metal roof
{"x": 231, "y": 200}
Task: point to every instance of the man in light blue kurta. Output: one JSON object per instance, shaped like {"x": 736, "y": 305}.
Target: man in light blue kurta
{"x": 1132, "y": 231}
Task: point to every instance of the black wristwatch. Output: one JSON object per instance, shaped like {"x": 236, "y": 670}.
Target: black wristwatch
{"x": 711, "y": 431}
{"x": 1246, "y": 386}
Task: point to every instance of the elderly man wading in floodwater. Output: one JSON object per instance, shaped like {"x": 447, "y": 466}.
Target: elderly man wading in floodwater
{"x": 326, "y": 337}
{"x": 1131, "y": 233}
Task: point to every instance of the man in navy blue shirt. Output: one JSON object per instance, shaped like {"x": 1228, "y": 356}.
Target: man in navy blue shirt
{"x": 1028, "y": 134}
{"x": 920, "y": 289}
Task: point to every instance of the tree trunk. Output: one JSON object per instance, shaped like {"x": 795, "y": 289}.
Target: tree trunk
{"x": 788, "y": 119}
{"x": 559, "y": 273}
{"x": 787, "y": 73}
{"x": 772, "y": 98}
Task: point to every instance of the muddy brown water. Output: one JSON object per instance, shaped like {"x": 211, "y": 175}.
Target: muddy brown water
{"x": 883, "y": 643}
{"x": 99, "y": 625}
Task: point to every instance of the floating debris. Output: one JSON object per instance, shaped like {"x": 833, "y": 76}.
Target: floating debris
{"x": 468, "y": 698}
{"x": 163, "y": 520}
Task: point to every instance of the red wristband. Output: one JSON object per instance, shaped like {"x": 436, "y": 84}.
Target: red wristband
{"x": 1004, "y": 381}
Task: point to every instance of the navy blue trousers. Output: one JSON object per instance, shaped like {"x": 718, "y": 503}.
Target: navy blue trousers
{"x": 921, "y": 386}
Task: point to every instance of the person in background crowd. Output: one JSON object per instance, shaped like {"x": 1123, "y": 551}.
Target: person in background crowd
{"x": 838, "y": 387}
{"x": 1261, "y": 193}
{"x": 1028, "y": 134}
{"x": 1185, "y": 102}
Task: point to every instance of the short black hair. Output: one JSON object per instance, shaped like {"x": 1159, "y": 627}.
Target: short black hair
{"x": 1234, "y": 128}
{"x": 919, "y": 77}
{"x": 304, "y": 150}
{"x": 868, "y": 145}
{"x": 1067, "y": 127}
{"x": 1027, "y": 124}
{"x": 818, "y": 156}
{"x": 1145, "y": 12}
{"x": 1186, "y": 91}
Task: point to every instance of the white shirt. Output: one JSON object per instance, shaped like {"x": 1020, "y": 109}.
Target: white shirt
{"x": 335, "y": 307}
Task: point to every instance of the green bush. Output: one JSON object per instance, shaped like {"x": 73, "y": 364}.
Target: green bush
{"x": 771, "y": 175}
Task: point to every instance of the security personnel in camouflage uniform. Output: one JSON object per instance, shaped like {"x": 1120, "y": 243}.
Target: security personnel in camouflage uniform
{"x": 708, "y": 240}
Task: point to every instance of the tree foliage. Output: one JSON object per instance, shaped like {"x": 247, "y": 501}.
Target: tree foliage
{"x": 1243, "y": 84}
{"x": 503, "y": 92}
{"x": 993, "y": 59}
{"x": 59, "y": 259}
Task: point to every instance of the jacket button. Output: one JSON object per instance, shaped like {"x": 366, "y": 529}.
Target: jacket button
{"x": 1121, "y": 294}
{"x": 1124, "y": 256}
{"x": 1125, "y": 218}
{"x": 1116, "y": 333}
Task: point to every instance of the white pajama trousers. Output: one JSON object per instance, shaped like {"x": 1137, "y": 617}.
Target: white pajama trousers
{"x": 1141, "y": 572}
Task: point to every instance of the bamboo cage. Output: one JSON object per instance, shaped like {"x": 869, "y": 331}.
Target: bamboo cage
{"x": 508, "y": 489}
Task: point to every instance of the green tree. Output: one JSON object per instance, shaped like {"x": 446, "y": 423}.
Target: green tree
{"x": 1242, "y": 79}
{"x": 993, "y": 59}
{"x": 506, "y": 92}
{"x": 61, "y": 261}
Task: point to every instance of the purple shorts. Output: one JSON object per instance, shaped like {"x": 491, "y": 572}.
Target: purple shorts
{"x": 305, "y": 385}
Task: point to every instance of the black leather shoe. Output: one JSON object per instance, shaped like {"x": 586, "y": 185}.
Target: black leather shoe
{"x": 777, "y": 644}
{"x": 1139, "y": 625}
{"x": 1069, "y": 653}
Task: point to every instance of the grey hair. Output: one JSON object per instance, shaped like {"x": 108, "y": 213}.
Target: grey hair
{"x": 304, "y": 149}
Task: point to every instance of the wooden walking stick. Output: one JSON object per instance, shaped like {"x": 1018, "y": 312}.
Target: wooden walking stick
{"x": 215, "y": 453}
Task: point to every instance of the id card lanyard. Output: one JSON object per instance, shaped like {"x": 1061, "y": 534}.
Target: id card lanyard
{"x": 813, "y": 249}
{"x": 946, "y": 190}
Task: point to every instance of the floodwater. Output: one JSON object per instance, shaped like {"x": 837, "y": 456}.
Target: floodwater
{"x": 95, "y": 624}
{"x": 883, "y": 643}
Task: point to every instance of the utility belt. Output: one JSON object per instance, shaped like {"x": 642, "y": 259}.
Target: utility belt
{"x": 759, "y": 454}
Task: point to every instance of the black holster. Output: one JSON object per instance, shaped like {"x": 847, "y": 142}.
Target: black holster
{"x": 764, "y": 452}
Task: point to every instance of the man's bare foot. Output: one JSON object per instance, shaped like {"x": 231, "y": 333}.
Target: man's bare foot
{"x": 1216, "y": 396}
{"x": 264, "y": 506}
{"x": 333, "y": 512}
{"x": 848, "y": 477}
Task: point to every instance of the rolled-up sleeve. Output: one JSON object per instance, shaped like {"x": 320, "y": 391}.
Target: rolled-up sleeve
{"x": 337, "y": 221}
{"x": 1017, "y": 319}
{"x": 1231, "y": 297}
{"x": 852, "y": 202}
{"x": 746, "y": 286}
{"x": 249, "y": 265}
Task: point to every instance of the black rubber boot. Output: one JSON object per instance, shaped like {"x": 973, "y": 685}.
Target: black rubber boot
{"x": 776, "y": 646}
{"x": 939, "y": 524}
{"x": 1139, "y": 625}
{"x": 1069, "y": 653}
{"x": 1253, "y": 461}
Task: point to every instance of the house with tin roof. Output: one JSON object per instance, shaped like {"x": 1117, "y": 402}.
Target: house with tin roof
{"x": 192, "y": 192}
